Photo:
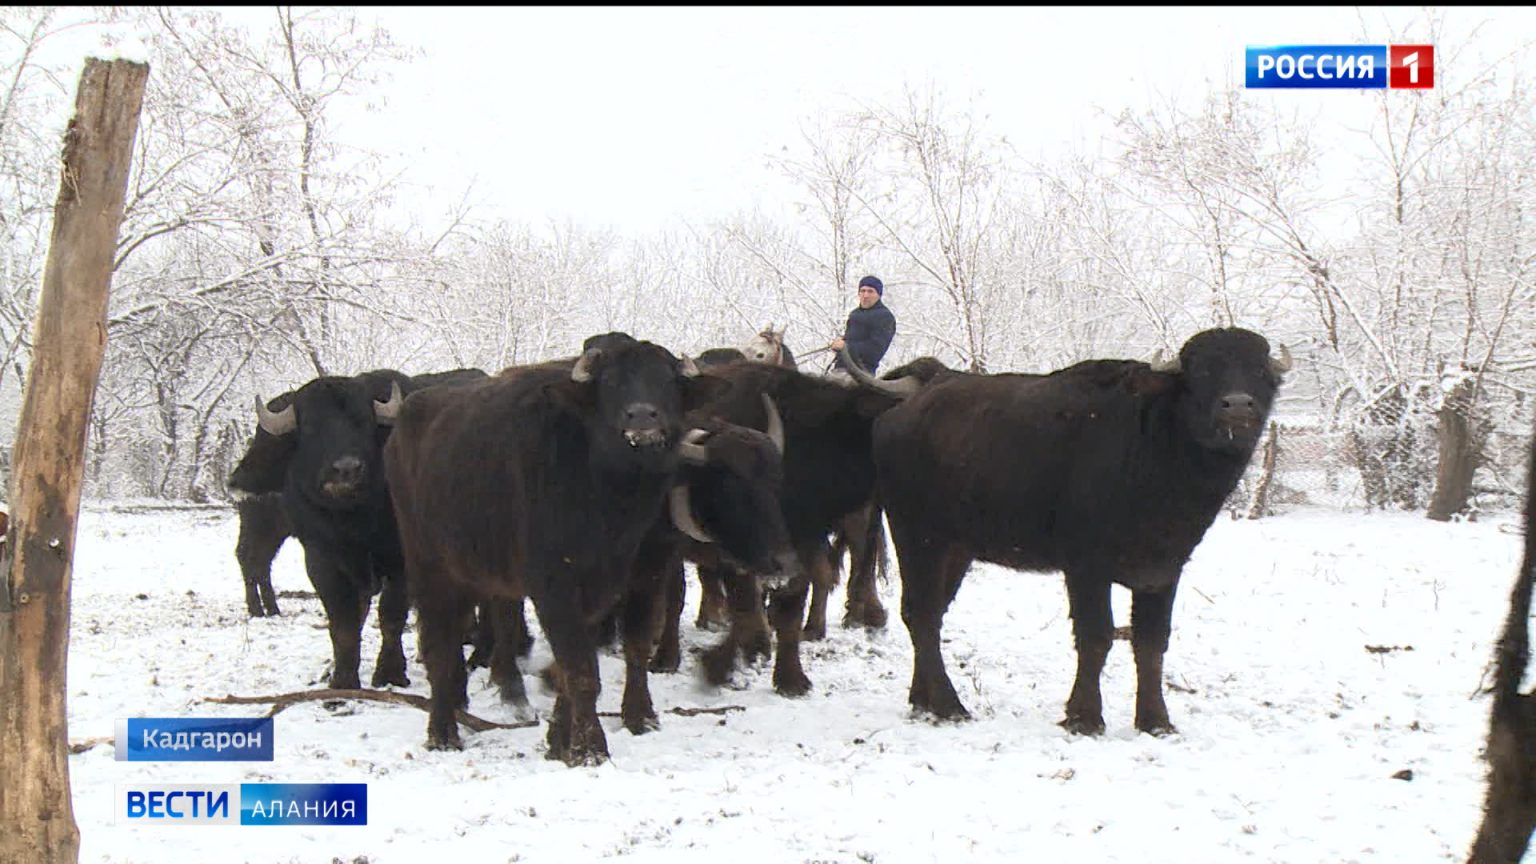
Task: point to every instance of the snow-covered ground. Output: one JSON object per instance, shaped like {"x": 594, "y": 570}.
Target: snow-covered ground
{"x": 1291, "y": 731}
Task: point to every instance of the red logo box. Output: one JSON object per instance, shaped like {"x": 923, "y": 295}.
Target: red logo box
{"x": 1411, "y": 67}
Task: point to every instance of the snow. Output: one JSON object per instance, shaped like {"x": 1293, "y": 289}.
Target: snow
{"x": 1290, "y": 730}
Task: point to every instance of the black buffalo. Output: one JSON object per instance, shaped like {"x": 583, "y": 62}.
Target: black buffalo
{"x": 1110, "y": 471}
{"x": 860, "y": 534}
{"x": 321, "y": 452}
{"x": 828, "y": 477}
{"x": 550, "y": 485}
{"x": 263, "y": 528}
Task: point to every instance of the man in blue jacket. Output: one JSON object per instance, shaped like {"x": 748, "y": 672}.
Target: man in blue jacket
{"x": 870, "y": 328}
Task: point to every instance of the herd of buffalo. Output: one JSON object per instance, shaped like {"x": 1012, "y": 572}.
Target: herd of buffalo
{"x": 583, "y": 484}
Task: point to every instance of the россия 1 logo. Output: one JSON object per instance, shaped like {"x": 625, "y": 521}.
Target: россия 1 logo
{"x": 1398, "y": 67}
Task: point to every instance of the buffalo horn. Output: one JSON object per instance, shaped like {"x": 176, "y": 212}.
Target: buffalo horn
{"x": 682, "y": 514}
{"x": 775, "y": 428}
{"x": 387, "y": 412}
{"x": 276, "y": 422}
{"x": 1282, "y": 364}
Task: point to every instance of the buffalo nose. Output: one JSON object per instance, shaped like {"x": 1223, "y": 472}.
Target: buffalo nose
{"x": 642, "y": 415}
{"x": 1238, "y": 408}
{"x": 346, "y": 471}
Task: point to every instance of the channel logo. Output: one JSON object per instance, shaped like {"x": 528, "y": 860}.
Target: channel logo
{"x": 245, "y": 804}
{"x": 1368, "y": 67}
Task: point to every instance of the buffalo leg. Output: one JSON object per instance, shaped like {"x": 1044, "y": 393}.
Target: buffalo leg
{"x": 440, "y": 614}
{"x": 930, "y": 578}
{"x": 823, "y": 580}
{"x": 749, "y": 628}
{"x": 263, "y": 528}
{"x": 575, "y": 736}
{"x": 714, "y": 610}
{"x": 1093, "y": 627}
{"x": 345, "y": 610}
{"x": 669, "y": 652}
{"x": 866, "y": 548}
{"x": 636, "y": 708}
{"x": 1151, "y": 621}
{"x": 507, "y": 630}
{"x": 394, "y": 604}
{"x": 658, "y": 561}
{"x": 786, "y": 611}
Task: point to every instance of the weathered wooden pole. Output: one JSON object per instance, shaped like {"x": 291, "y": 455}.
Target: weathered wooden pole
{"x": 37, "y": 819}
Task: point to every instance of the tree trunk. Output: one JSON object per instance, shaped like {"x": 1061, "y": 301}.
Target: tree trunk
{"x": 37, "y": 818}
{"x": 1509, "y": 812}
{"x": 1260, "y": 505}
{"x": 1460, "y": 453}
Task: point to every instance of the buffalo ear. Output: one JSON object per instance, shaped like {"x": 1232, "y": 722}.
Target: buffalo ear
{"x": 264, "y": 467}
{"x": 570, "y": 396}
{"x": 1149, "y": 384}
{"x": 703, "y": 389}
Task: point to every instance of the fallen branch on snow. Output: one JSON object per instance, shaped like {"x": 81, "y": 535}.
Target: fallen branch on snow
{"x": 285, "y": 700}
{"x": 478, "y": 724}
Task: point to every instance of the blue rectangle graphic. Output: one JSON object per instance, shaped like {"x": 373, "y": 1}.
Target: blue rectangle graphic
{"x": 303, "y": 803}
{"x": 1317, "y": 66}
{"x": 194, "y": 739}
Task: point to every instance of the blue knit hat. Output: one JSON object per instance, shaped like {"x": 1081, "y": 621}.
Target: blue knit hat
{"x": 875, "y": 283}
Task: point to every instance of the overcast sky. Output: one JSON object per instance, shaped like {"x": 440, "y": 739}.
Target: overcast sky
{"x": 634, "y": 118}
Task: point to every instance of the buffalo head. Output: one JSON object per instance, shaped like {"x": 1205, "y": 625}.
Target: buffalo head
{"x": 1227, "y": 384}
{"x": 730, "y": 494}
{"x": 632, "y": 395}
{"x": 334, "y": 428}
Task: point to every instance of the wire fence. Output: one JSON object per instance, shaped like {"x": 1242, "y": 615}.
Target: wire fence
{"x": 1299, "y": 465}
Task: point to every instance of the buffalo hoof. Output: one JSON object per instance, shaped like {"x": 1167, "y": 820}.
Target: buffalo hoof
{"x": 668, "y": 659}
{"x": 792, "y": 684}
{"x": 345, "y": 682}
{"x": 870, "y": 616}
{"x": 758, "y": 647}
{"x": 954, "y": 713}
{"x": 397, "y": 678}
{"x": 1080, "y": 725}
{"x": 444, "y": 742}
{"x": 642, "y": 724}
{"x": 718, "y": 663}
{"x": 1157, "y": 729}
{"x": 577, "y": 757}
{"x": 814, "y": 632}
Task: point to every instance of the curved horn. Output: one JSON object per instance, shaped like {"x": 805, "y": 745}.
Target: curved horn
{"x": 690, "y": 368}
{"x": 775, "y": 428}
{"x": 682, "y": 515}
{"x": 1159, "y": 363}
{"x": 276, "y": 422}
{"x": 1282, "y": 364}
{"x": 901, "y": 388}
{"x": 386, "y": 413}
{"x": 582, "y": 371}
{"x": 691, "y": 449}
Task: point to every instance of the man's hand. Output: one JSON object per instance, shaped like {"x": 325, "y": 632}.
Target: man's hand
{"x": 836, "y": 344}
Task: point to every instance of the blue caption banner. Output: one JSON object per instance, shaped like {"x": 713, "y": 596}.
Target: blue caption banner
{"x": 303, "y": 803}
{"x": 246, "y": 804}
{"x": 194, "y": 739}
{"x": 1316, "y": 66}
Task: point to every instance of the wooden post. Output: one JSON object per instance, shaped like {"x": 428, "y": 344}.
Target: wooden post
{"x": 1259, "y": 507}
{"x": 37, "y": 818}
